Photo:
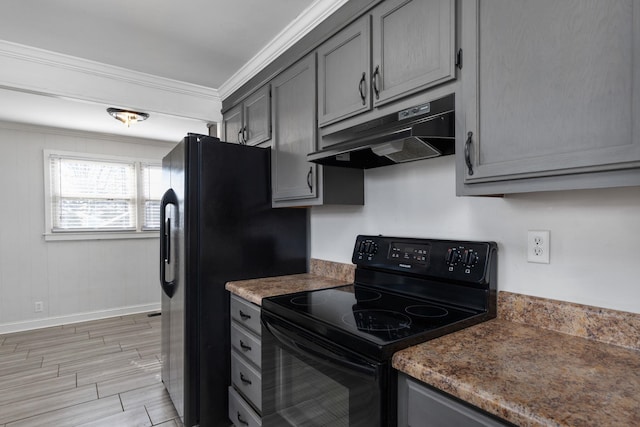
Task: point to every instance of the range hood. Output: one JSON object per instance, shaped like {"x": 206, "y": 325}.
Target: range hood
{"x": 415, "y": 133}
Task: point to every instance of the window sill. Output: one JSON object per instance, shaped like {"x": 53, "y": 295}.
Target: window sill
{"x": 110, "y": 235}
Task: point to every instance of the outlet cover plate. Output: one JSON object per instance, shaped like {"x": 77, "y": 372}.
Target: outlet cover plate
{"x": 538, "y": 246}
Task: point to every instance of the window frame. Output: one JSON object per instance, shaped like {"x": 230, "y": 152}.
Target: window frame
{"x": 139, "y": 232}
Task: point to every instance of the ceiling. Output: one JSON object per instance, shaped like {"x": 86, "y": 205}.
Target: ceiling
{"x": 197, "y": 42}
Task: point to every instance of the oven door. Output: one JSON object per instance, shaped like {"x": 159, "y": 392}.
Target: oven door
{"x": 308, "y": 381}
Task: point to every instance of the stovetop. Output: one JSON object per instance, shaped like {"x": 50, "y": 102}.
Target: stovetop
{"x": 406, "y": 291}
{"x": 371, "y": 314}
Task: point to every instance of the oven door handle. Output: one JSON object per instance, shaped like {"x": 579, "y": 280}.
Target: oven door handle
{"x": 323, "y": 354}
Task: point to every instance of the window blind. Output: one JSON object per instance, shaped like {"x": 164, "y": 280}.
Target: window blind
{"x": 92, "y": 194}
{"x": 151, "y": 195}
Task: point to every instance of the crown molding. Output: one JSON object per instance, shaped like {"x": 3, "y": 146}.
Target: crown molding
{"x": 40, "y": 71}
{"x": 50, "y": 130}
{"x": 317, "y": 12}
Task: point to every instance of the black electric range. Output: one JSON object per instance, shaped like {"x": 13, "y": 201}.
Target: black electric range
{"x": 326, "y": 354}
{"x": 406, "y": 291}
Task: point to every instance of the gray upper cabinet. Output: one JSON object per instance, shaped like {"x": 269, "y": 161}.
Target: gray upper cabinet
{"x": 295, "y": 181}
{"x": 413, "y": 47}
{"x": 344, "y": 73}
{"x": 402, "y": 47}
{"x": 257, "y": 117}
{"x": 250, "y": 121}
{"x": 551, "y": 96}
{"x": 294, "y": 132}
{"x": 232, "y": 125}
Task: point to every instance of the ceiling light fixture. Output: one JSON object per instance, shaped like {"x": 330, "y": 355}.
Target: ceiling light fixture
{"x": 127, "y": 117}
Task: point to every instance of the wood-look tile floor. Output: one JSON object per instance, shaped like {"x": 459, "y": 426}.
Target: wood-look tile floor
{"x": 98, "y": 373}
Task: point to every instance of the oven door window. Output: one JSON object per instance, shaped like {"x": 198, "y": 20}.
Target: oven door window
{"x": 308, "y": 382}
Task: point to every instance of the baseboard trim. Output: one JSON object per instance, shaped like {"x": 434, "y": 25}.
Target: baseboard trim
{"x": 28, "y": 325}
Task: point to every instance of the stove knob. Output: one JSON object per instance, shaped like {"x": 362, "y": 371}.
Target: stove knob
{"x": 373, "y": 248}
{"x": 370, "y": 248}
{"x": 470, "y": 258}
{"x": 453, "y": 256}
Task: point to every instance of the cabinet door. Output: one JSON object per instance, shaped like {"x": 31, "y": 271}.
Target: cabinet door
{"x": 257, "y": 117}
{"x": 419, "y": 405}
{"x": 232, "y": 125}
{"x": 550, "y": 89}
{"x": 294, "y": 131}
{"x": 413, "y": 47}
{"x": 344, "y": 73}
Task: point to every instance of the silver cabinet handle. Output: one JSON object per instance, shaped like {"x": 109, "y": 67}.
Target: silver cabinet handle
{"x": 244, "y": 346}
{"x": 244, "y": 315}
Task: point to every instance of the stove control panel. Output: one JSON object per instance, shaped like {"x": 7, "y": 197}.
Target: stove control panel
{"x": 409, "y": 252}
{"x": 467, "y": 261}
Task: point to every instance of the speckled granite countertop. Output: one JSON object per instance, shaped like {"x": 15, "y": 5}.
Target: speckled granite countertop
{"x": 531, "y": 375}
{"x": 323, "y": 274}
{"x": 256, "y": 289}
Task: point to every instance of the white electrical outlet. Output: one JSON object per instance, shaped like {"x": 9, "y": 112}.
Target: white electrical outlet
{"x": 538, "y": 246}
{"x": 38, "y": 306}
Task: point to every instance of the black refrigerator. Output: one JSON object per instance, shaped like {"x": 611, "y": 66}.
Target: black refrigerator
{"x": 217, "y": 225}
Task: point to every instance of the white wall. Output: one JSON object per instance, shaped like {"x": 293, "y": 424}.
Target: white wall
{"x": 595, "y": 234}
{"x": 76, "y": 280}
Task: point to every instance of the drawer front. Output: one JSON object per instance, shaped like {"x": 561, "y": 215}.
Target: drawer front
{"x": 246, "y": 314}
{"x": 246, "y": 379}
{"x": 247, "y": 344}
{"x": 240, "y": 413}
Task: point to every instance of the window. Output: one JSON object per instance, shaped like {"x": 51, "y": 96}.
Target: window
{"x": 99, "y": 194}
{"x": 151, "y": 195}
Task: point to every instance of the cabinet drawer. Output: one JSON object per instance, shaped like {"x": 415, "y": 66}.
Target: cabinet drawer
{"x": 246, "y": 344}
{"x": 246, "y": 379}
{"x": 245, "y": 313}
{"x": 240, "y": 413}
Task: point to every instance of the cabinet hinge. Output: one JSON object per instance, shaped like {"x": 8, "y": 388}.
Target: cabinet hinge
{"x": 459, "y": 59}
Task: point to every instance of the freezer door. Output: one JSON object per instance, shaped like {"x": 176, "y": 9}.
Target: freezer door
{"x": 172, "y": 278}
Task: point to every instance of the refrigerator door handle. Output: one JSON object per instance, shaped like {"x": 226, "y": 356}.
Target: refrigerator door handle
{"x": 169, "y": 198}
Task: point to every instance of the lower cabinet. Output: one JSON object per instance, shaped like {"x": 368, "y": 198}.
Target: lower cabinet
{"x": 240, "y": 412}
{"x": 422, "y": 406}
{"x": 245, "y": 392}
{"x": 246, "y": 379}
